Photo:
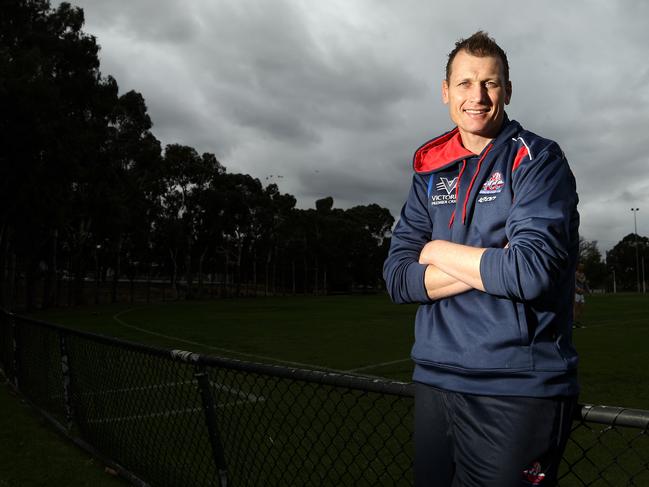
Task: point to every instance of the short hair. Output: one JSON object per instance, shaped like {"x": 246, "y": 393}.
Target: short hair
{"x": 480, "y": 45}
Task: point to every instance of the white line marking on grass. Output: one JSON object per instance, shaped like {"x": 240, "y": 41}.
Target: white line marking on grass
{"x": 167, "y": 414}
{"x": 117, "y": 318}
{"x": 132, "y": 389}
{"x": 376, "y": 366}
{"x": 238, "y": 392}
{"x": 248, "y": 398}
{"x": 219, "y": 387}
{"x": 135, "y": 417}
{"x": 623, "y": 323}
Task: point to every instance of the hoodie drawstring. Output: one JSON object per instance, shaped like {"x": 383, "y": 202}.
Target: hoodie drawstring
{"x": 468, "y": 192}
{"x": 457, "y": 187}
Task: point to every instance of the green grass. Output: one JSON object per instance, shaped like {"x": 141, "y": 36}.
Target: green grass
{"x": 32, "y": 454}
{"x": 341, "y": 333}
{"x": 350, "y": 332}
{"x": 613, "y": 351}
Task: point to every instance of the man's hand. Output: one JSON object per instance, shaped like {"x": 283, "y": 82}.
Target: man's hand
{"x": 461, "y": 262}
{"x": 441, "y": 285}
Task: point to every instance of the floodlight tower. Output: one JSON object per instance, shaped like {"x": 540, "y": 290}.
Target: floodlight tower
{"x": 637, "y": 259}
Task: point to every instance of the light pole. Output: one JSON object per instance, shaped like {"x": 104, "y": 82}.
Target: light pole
{"x": 637, "y": 259}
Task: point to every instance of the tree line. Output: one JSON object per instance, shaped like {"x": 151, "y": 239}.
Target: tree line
{"x": 625, "y": 267}
{"x": 89, "y": 198}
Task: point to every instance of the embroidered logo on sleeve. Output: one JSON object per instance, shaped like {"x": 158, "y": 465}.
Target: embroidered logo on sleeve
{"x": 493, "y": 185}
{"x": 533, "y": 475}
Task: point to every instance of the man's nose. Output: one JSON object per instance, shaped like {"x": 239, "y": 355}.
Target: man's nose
{"x": 478, "y": 93}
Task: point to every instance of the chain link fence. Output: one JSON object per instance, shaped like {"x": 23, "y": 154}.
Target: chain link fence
{"x": 175, "y": 418}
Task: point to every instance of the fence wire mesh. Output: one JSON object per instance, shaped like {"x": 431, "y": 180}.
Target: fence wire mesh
{"x": 173, "y": 418}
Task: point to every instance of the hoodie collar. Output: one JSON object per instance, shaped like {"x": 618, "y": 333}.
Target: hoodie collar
{"x": 447, "y": 149}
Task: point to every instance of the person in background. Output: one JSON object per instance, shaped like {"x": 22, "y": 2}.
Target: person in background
{"x": 581, "y": 288}
{"x": 487, "y": 243}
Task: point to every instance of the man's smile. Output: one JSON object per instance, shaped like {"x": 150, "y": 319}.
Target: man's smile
{"x": 476, "y": 111}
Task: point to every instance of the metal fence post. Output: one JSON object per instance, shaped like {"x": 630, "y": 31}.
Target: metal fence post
{"x": 65, "y": 371}
{"x": 209, "y": 409}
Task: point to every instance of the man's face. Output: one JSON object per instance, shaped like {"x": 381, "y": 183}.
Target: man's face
{"x": 476, "y": 94}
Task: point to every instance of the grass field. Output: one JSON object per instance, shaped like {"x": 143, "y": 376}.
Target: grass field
{"x": 34, "y": 455}
{"x": 361, "y": 334}
{"x": 365, "y": 334}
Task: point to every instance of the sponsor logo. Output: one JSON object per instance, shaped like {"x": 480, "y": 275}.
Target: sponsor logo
{"x": 534, "y": 474}
{"x": 486, "y": 199}
{"x": 447, "y": 186}
{"x": 442, "y": 199}
{"x": 494, "y": 184}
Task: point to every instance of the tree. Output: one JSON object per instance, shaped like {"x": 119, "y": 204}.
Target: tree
{"x": 207, "y": 218}
{"x": 340, "y": 249}
{"x": 273, "y": 217}
{"x": 622, "y": 260}
{"x": 241, "y": 223}
{"x": 53, "y": 124}
{"x": 594, "y": 267}
{"x": 134, "y": 188}
{"x": 86, "y": 190}
{"x": 370, "y": 250}
{"x": 185, "y": 174}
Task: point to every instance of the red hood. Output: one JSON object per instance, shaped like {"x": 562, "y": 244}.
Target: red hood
{"x": 440, "y": 152}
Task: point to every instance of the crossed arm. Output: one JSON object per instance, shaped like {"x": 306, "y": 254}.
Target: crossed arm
{"x": 452, "y": 268}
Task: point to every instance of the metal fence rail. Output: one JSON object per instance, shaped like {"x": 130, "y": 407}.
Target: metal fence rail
{"x": 175, "y": 418}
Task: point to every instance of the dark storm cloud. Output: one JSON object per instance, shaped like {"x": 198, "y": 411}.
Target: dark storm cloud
{"x": 331, "y": 98}
{"x": 284, "y": 83}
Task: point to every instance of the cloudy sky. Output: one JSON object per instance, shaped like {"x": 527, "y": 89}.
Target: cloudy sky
{"x": 331, "y": 97}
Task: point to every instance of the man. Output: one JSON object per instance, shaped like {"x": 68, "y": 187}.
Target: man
{"x": 487, "y": 243}
{"x": 581, "y": 288}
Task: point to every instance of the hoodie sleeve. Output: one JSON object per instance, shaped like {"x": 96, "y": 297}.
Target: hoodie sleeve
{"x": 403, "y": 274}
{"x": 541, "y": 228}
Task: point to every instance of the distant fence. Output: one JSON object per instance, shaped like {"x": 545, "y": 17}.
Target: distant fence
{"x": 174, "y": 418}
{"x": 17, "y": 294}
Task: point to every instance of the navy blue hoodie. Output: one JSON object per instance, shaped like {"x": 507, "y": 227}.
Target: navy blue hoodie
{"x": 515, "y": 338}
